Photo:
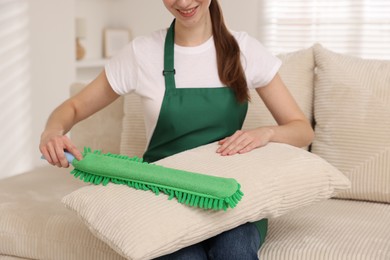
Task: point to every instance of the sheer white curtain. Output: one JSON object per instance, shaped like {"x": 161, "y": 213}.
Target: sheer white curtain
{"x": 15, "y": 95}
{"x": 356, "y": 27}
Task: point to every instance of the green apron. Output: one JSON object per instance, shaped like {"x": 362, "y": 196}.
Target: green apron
{"x": 191, "y": 117}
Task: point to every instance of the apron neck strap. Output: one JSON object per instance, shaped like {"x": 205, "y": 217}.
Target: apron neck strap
{"x": 169, "y": 70}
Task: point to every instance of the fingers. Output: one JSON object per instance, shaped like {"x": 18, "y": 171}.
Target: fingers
{"x": 74, "y": 151}
{"x": 53, "y": 148}
{"x": 71, "y": 148}
{"x": 222, "y": 141}
{"x": 46, "y": 154}
{"x": 55, "y": 155}
{"x": 235, "y": 143}
{"x": 244, "y": 141}
{"x": 62, "y": 161}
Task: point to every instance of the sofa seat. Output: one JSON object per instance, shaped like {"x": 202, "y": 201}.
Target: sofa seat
{"x": 332, "y": 229}
{"x": 34, "y": 224}
{"x": 7, "y": 257}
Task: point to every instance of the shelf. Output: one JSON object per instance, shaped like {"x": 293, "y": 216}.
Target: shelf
{"x": 90, "y": 64}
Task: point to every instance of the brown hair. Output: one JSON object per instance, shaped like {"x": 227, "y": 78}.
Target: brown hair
{"x": 230, "y": 69}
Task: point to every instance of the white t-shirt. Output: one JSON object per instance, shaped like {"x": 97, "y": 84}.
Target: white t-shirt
{"x": 138, "y": 69}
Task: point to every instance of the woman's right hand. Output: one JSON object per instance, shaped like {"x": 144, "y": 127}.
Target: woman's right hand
{"x": 52, "y": 147}
{"x": 95, "y": 96}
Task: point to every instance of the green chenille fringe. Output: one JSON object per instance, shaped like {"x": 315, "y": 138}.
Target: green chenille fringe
{"x": 192, "y": 189}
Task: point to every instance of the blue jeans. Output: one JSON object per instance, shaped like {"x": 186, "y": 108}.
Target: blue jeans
{"x": 242, "y": 242}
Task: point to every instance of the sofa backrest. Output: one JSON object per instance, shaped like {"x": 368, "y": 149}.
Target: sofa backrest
{"x": 352, "y": 114}
{"x": 101, "y": 130}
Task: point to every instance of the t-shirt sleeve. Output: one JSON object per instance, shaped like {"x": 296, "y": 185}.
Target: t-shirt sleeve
{"x": 260, "y": 65}
{"x": 122, "y": 71}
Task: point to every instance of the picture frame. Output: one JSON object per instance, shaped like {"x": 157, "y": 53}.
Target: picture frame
{"x": 114, "y": 40}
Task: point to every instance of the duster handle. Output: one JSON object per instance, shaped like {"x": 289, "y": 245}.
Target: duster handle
{"x": 68, "y": 156}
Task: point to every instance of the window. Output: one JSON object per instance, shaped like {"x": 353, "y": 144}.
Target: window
{"x": 356, "y": 27}
{"x": 15, "y": 98}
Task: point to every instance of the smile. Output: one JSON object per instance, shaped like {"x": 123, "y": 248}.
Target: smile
{"x": 188, "y": 12}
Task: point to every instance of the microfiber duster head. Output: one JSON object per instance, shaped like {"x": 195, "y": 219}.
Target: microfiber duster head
{"x": 193, "y": 189}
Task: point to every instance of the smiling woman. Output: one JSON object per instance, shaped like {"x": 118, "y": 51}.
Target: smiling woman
{"x": 194, "y": 68}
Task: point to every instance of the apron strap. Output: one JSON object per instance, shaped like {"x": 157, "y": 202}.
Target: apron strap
{"x": 169, "y": 70}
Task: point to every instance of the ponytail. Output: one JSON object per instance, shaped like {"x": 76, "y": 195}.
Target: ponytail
{"x": 230, "y": 69}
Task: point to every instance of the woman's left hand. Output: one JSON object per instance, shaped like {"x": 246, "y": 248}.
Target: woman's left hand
{"x": 243, "y": 141}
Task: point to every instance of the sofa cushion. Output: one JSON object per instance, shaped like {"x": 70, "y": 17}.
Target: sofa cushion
{"x": 7, "y": 257}
{"x": 352, "y": 114}
{"x": 297, "y": 72}
{"x": 332, "y": 229}
{"x": 133, "y": 137}
{"x": 102, "y": 130}
{"x": 34, "y": 224}
{"x": 275, "y": 179}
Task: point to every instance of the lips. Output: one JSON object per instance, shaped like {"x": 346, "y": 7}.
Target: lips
{"x": 188, "y": 12}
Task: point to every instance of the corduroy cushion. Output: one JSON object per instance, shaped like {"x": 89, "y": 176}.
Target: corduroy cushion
{"x": 297, "y": 73}
{"x": 133, "y": 137}
{"x": 34, "y": 224}
{"x": 105, "y": 124}
{"x": 331, "y": 230}
{"x": 352, "y": 114}
{"x": 140, "y": 225}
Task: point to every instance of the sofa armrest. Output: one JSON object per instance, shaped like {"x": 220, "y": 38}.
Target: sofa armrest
{"x": 102, "y": 130}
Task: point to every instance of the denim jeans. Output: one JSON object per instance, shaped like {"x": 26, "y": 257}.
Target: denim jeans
{"x": 242, "y": 242}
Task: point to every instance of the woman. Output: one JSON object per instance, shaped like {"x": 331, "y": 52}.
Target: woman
{"x": 193, "y": 79}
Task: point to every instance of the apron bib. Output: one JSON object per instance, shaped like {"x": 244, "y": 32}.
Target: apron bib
{"x": 191, "y": 117}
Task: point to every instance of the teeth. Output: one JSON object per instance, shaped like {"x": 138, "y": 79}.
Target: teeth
{"x": 187, "y": 11}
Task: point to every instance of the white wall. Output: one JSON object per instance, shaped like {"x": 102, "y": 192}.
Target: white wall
{"x": 96, "y": 13}
{"x": 52, "y": 56}
{"x": 15, "y": 88}
{"x": 138, "y": 16}
{"x": 50, "y": 70}
{"x": 242, "y": 15}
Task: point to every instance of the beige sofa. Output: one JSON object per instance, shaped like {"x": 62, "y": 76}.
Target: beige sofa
{"x": 348, "y": 101}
